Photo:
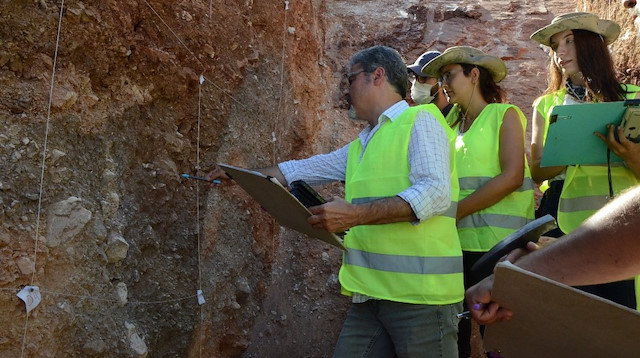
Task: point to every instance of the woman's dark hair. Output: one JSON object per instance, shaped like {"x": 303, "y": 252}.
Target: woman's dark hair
{"x": 489, "y": 89}
{"x": 596, "y": 65}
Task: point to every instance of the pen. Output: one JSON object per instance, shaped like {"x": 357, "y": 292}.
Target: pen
{"x": 467, "y": 314}
{"x": 214, "y": 181}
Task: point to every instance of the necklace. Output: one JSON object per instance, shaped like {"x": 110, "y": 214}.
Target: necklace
{"x": 463, "y": 128}
{"x": 464, "y": 115}
{"x": 462, "y": 122}
{"x": 576, "y": 91}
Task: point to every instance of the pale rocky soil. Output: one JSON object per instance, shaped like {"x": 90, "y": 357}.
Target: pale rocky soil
{"x": 123, "y": 245}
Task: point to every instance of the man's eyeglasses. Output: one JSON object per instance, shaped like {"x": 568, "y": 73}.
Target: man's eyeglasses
{"x": 351, "y": 76}
{"x": 448, "y": 76}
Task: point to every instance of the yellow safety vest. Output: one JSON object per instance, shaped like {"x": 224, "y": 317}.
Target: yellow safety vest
{"x": 401, "y": 262}
{"x": 637, "y": 279}
{"x": 586, "y": 187}
{"x": 477, "y": 162}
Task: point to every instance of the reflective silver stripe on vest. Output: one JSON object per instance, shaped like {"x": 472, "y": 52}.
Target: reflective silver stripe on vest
{"x": 594, "y": 202}
{"x": 450, "y": 212}
{"x": 473, "y": 183}
{"x": 404, "y": 264}
{"x": 496, "y": 220}
{"x": 358, "y": 201}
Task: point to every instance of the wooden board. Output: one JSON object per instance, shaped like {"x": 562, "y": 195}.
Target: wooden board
{"x": 554, "y": 320}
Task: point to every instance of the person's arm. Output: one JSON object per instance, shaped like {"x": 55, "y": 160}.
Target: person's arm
{"x": 219, "y": 174}
{"x": 429, "y": 194}
{"x": 622, "y": 147}
{"x": 339, "y": 215}
{"x": 605, "y": 248}
{"x": 512, "y": 165}
{"x": 540, "y": 174}
{"x": 318, "y": 169}
{"x": 429, "y": 168}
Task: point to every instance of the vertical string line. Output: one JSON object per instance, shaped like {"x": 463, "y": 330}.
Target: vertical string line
{"x": 200, "y": 80}
{"x": 279, "y": 111}
{"x": 198, "y": 186}
{"x": 42, "y": 171}
{"x": 274, "y": 136}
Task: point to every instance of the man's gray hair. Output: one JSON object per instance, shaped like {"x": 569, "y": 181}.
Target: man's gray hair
{"x": 387, "y": 58}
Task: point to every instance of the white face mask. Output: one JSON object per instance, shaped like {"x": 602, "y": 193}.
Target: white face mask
{"x": 421, "y": 92}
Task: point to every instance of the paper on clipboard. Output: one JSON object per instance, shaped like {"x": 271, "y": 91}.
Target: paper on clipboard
{"x": 571, "y": 140}
{"x": 554, "y": 320}
{"x": 277, "y": 200}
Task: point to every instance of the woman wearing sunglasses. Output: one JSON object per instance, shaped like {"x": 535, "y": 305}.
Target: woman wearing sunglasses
{"x": 496, "y": 190}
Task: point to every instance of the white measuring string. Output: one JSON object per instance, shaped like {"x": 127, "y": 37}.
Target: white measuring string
{"x": 191, "y": 52}
{"x": 197, "y": 168}
{"x": 107, "y": 300}
{"x": 174, "y": 34}
{"x": 200, "y": 80}
{"x": 274, "y": 139}
{"x": 44, "y": 157}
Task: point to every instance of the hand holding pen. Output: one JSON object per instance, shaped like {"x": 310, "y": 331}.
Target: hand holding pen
{"x": 220, "y": 175}
{"x": 212, "y": 181}
{"x": 483, "y": 309}
{"x": 214, "y": 178}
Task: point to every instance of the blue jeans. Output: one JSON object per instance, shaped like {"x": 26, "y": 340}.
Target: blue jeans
{"x": 386, "y": 329}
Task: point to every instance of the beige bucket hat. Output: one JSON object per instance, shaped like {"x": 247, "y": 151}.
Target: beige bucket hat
{"x": 468, "y": 55}
{"x": 608, "y": 29}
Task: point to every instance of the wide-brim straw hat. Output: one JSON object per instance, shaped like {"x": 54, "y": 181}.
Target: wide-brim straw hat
{"x": 468, "y": 55}
{"x": 608, "y": 29}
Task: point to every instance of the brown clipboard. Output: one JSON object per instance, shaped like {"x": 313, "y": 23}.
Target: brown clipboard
{"x": 554, "y": 320}
{"x": 278, "y": 202}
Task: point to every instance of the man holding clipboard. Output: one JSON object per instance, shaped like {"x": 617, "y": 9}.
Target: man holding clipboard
{"x": 403, "y": 264}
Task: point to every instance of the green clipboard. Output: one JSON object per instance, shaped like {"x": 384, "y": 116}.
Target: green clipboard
{"x": 571, "y": 140}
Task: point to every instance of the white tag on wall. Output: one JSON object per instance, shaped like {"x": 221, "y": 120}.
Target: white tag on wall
{"x": 31, "y": 297}
{"x": 201, "y": 300}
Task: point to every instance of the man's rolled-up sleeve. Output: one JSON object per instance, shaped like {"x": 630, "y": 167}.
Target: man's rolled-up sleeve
{"x": 318, "y": 169}
{"x": 430, "y": 192}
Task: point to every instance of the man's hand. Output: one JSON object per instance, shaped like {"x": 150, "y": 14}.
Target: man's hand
{"x": 483, "y": 310}
{"x": 221, "y": 175}
{"x": 337, "y": 215}
{"x": 516, "y": 254}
